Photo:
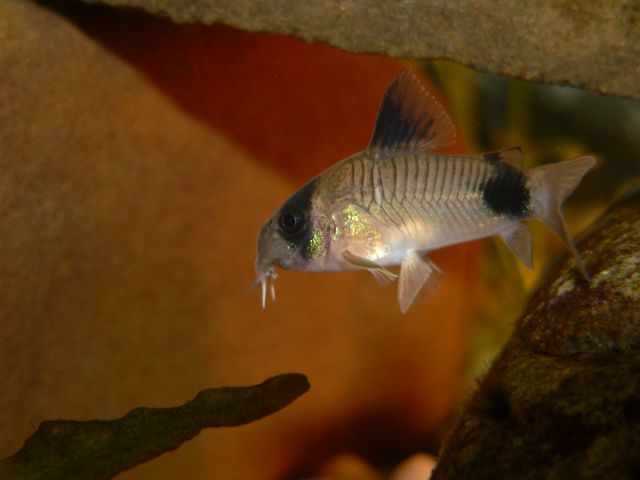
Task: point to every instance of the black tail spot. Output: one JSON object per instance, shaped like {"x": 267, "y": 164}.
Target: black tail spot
{"x": 506, "y": 192}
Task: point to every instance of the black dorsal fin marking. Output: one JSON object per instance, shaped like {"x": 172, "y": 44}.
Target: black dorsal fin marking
{"x": 510, "y": 155}
{"x": 410, "y": 117}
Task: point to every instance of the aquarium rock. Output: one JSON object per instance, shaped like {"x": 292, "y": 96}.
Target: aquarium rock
{"x": 562, "y": 400}
{"x": 592, "y": 45}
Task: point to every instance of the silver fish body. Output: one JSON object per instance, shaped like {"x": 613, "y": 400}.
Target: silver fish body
{"x": 396, "y": 200}
{"x": 412, "y": 201}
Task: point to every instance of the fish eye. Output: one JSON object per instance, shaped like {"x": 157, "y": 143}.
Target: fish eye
{"x": 291, "y": 220}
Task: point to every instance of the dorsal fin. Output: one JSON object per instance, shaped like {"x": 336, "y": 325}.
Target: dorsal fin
{"x": 410, "y": 117}
{"x": 510, "y": 155}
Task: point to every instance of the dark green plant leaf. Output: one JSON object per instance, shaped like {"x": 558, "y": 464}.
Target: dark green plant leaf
{"x": 100, "y": 449}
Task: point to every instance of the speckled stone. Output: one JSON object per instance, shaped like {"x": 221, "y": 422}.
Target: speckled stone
{"x": 569, "y": 315}
{"x": 563, "y": 398}
{"x": 593, "y": 45}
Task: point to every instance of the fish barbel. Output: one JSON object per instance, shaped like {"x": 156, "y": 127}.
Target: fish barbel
{"x": 395, "y": 201}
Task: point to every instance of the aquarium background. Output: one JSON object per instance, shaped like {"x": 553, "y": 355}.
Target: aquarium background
{"x": 141, "y": 157}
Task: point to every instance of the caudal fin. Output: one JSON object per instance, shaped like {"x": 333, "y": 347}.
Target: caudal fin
{"x": 551, "y": 185}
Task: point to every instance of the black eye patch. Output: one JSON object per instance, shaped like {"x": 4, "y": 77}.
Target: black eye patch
{"x": 291, "y": 220}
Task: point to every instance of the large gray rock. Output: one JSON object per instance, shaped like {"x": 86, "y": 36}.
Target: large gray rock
{"x": 593, "y": 45}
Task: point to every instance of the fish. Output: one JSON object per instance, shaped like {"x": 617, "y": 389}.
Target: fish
{"x": 397, "y": 200}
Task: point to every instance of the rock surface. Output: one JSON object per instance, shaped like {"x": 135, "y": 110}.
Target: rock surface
{"x": 563, "y": 398}
{"x": 592, "y": 45}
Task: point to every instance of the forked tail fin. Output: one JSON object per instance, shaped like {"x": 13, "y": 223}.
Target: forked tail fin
{"x": 550, "y": 186}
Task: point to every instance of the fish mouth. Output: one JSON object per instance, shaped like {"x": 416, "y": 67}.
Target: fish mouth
{"x": 266, "y": 279}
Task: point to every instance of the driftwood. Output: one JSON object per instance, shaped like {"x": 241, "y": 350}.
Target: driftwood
{"x": 100, "y": 449}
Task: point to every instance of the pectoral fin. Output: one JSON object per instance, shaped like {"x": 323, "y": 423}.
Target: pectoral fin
{"x": 415, "y": 271}
{"x": 519, "y": 242}
{"x": 381, "y": 274}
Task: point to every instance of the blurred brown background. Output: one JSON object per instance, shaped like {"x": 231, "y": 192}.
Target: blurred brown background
{"x": 139, "y": 159}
